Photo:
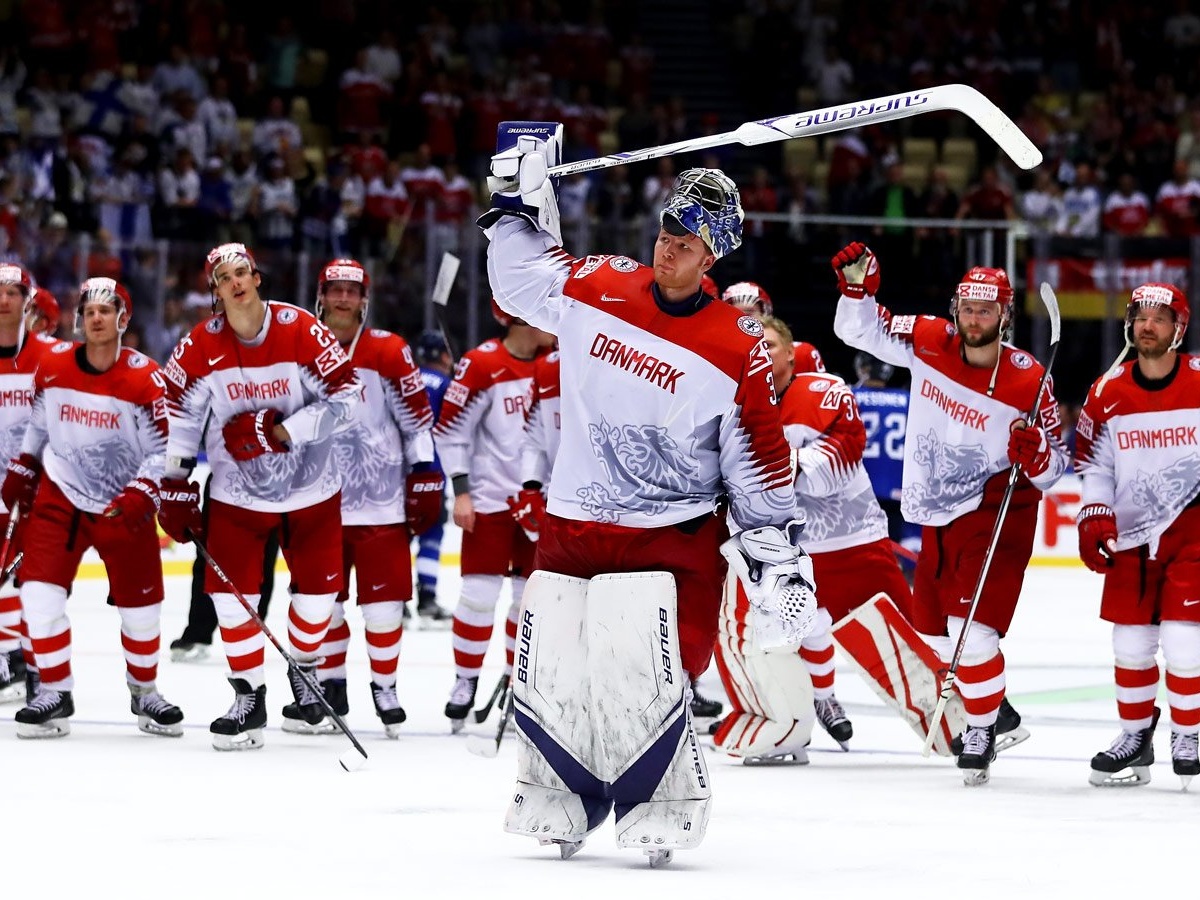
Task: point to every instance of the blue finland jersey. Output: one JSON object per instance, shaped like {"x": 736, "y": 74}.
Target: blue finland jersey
{"x": 435, "y": 386}
{"x": 884, "y": 414}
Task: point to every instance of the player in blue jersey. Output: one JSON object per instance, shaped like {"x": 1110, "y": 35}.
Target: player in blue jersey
{"x": 435, "y": 362}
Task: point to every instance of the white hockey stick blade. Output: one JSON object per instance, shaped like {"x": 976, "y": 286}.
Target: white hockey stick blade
{"x": 1051, "y": 300}
{"x": 484, "y": 746}
{"x": 957, "y": 97}
{"x": 352, "y": 760}
{"x": 445, "y": 279}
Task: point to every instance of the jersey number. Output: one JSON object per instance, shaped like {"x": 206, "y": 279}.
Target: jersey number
{"x": 892, "y": 439}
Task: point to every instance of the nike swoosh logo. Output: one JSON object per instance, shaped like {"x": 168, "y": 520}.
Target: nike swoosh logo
{"x": 213, "y": 362}
{"x": 50, "y": 378}
{"x": 331, "y": 577}
{"x": 925, "y": 351}
{"x": 604, "y": 298}
{"x": 1190, "y": 602}
{"x": 149, "y": 589}
{"x": 1110, "y": 408}
{"x": 376, "y": 587}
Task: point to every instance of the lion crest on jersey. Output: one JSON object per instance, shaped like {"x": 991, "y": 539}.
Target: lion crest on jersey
{"x": 640, "y": 460}
{"x": 951, "y": 473}
{"x": 1162, "y": 493}
{"x": 274, "y": 477}
{"x": 369, "y": 476}
{"x": 105, "y": 467}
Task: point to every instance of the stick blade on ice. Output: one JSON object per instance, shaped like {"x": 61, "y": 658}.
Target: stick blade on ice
{"x": 352, "y": 760}
{"x": 483, "y": 746}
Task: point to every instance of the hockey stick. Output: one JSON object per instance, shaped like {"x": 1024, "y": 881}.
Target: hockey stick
{"x": 903, "y": 553}
{"x": 487, "y": 747}
{"x": 1051, "y": 301}
{"x": 349, "y": 760}
{"x": 447, "y": 272}
{"x": 484, "y": 711}
{"x": 957, "y": 97}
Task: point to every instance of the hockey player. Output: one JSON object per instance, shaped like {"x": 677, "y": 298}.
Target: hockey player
{"x": 97, "y": 432}
{"x": 21, "y": 348}
{"x": 753, "y": 300}
{"x": 667, "y": 410}
{"x": 966, "y": 427}
{"x": 389, "y": 489}
{"x": 1139, "y": 526}
{"x": 436, "y": 364}
{"x": 479, "y": 435}
{"x": 261, "y": 386}
{"x": 42, "y": 313}
{"x": 846, "y": 535}
{"x": 539, "y": 444}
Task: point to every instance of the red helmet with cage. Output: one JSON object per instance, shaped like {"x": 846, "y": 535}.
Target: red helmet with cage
{"x": 709, "y": 286}
{"x": 1158, "y": 293}
{"x": 749, "y": 297}
{"x": 343, "y": 270}
{"x": 983, "y": 283}
{"x": 505, "y": 319}
{"x": 104, "y": 290}
{"x": 11, "y": 273}
{"x": 222, "y": 254}
{"x": 44, "y": 306}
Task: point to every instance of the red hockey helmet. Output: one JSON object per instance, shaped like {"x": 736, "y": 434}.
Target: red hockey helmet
{"x": 343, "y": 270}
{"x": 1157, "y": 293}
{"x": 11, "y": 273}
{"x": 750, "y": 298}
{"x": 505, "y": 319}
{"x": 104, "y": 290}
{"x": 983, "y": 283}
{"x": 44, "y": 305}
{"x": 709, "y": 286}
{"x": 218, "y": 256}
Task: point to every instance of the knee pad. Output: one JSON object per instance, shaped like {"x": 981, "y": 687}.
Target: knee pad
{"x": 384, "y": 616}
{"x": 480, "y": 593}
{"x": 43, "y": 604}
{"x": 983, "y": 641}
{"x": 140, "y": 620}
{"x": 1181, "y": 646}
{"x": 1135, "y": 646}
{"x": 231, "y": 613}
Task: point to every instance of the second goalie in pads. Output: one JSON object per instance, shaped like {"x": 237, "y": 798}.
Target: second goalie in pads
{"x": 667, "y": 408}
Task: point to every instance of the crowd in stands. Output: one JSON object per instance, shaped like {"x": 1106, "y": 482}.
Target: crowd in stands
{"x": 335, "y": 126}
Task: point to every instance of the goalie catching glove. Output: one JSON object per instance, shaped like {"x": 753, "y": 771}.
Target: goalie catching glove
{"x": 518, "y": 176}
{"x": 778, "y": 578}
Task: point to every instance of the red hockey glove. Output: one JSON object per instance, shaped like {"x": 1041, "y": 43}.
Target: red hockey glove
{"x": 857, "y": 271}
{"x": 249, "y": 435}
{"x": 179, "y": 510}
{"x": 424, "y": 495}
{"x": 1097, "y": 536}
{"x": 529, "y": 509}
{"x": 1029, "y": 447}
{"x": 135, "y": 505}
{"x": 21, "y": 482}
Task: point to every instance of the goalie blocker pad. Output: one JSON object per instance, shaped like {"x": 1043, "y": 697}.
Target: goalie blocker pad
{"x": 601, "y": 714}
{"x": 770, "y": 690}
{"x": 901, "y": 668}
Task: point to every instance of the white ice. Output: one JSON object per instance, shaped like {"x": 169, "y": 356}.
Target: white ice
{"x": 111, "y": 809}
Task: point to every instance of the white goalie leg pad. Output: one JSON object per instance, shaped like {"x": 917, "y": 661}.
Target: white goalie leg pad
{"x": 770, "y": 690}
{"x": 900, "y": 667}
{"x": 645, "y": 744}
{"x": 558, "y": 795}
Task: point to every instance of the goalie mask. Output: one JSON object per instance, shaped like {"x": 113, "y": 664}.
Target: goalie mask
{"x": 107, "y": 291}
{"x": 987, "y": 285}
{"x": 343, "y": 270}
{"x": 750, "y": 298}
{"x": 706, "y": 203}
{"x": 1156, "y": 293}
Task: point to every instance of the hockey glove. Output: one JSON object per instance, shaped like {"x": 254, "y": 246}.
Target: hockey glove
{"x": 857, "y": 271}
{"x": 179, "y": 510}
{"x": 21, "y": 482}
{"x": 1029, "y": 447}
{"x": 135, "y": 505}
{"x": 249, "y": 435}
{"x": 1097, "y": 536}
{"x": 424, "y": 496}
{"x": 521, "y": 186}
{"x": 777, "y": 576}
{"x": 529, "y": 509}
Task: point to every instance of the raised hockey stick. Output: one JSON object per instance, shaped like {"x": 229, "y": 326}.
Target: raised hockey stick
{"x": 957, "y": 97}
{"x": 484, "y": 711}
{"x": 447, "y": 272}
{"x": 350, "y": 761}
{"x": 1051, "y": 301}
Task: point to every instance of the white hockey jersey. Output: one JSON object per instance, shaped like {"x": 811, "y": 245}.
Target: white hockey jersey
{"x": 294, "y": 366}
{"x": 957, "y": 437}
{"x": 16, "y": 393}
{"x": 388, "y": 434}
{"x": 97, "y": 431}
{"x": 667, "y": 414}
{"x": 1137, "y": 447}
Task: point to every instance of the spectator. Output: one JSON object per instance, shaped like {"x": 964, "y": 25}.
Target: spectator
{"x": 1178, "y": 202}
{"x": 284, "y": 49}
{"x": 1127, "y": 209}
{"x": 274, "y": 207}
{"x": 385, "y": 207}
{"x": 424, "y": 183}
{"x": 987, "y": 199}
{"x": 176, "y": 74}
{"x": 102, "y": 261}
{"x": 382, "y": 59}
{"x": 362, "y": 99}
{"x": 441, "y": 107}
{"x": 759, "y": 196}
{"x": 179, "y": 194}
{"x": 54, "y": 259}
{"x": 124, "y": 197}
{"x": 218, "y": 116}
{"x": 1081, "y": 205}
{"x": 243, "y": 185}
{"x": 215, "y": 206}
{"x": 275, "y": 133}
{"x": 1042, "y": 205}
{"x": 834, "y": 77}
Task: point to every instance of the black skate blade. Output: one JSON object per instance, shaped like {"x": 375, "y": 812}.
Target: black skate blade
{"x": 1138, "y": 775}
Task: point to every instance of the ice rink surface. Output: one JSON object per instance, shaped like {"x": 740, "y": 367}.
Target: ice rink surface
{"x": 111, "y": 809}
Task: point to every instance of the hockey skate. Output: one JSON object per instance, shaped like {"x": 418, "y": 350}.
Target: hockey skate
{"x": 1131, "y": 750}
{"x": 832, "y": 716}
{"x": 47, "y": 715}
{"x": 303, "y": 679}
{"x": 979, "y": 750}
{"x": 1184, "y": 756}
{"x": 241, "y": 727}
{"x": 154, "y": 714}
{"x": 1009, "y": 731}
{"x": 388, "y": 708}
{"x": 12, "y": 677}
{"x": 462, "y": 698}
{"x": 185, "y": 651}
{"x": 431, "y": 615}
{"x": 704, "y": 710}
{"x": 297, "y": 718}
